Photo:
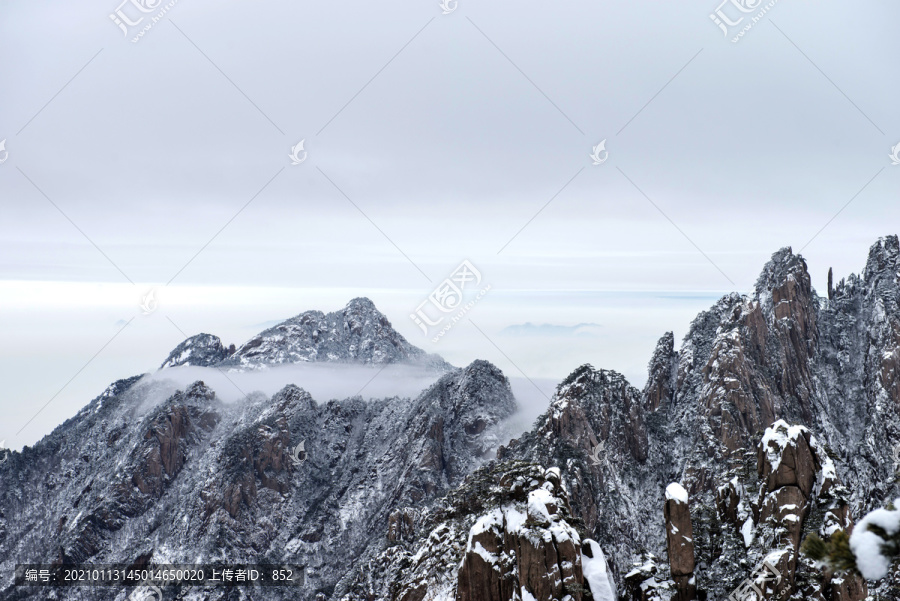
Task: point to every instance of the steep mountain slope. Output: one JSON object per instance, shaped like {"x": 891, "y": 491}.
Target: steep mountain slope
{"x": 706, "y": 419}
{"x": 192, "y": 479}
{"x": 147, "y": 473}
{"x": 776, "y": 417}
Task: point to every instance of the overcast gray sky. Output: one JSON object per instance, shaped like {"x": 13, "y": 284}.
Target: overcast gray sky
{"x": 429, "y": 138}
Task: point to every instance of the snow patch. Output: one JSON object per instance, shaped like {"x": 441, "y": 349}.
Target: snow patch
{"x": 676, "y": 492}
{"x": 515, "y": 519}
{"x": 596, "y": 574}
{"x": 489, "y": 558}
{"x": 867, "y": 546}
{"x": 485, "y": 523}
{"x": 782, "y": 435}
{"x": 747, "y": 532}
{"x": 537, "y": 504}
{"x": 562, "y": 532}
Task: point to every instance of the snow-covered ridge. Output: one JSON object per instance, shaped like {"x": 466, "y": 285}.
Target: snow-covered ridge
{"x": 358, "y": 333}
{"x": 779, "y": 383}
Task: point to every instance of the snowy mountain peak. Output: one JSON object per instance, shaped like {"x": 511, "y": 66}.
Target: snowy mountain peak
{"x": 361, "y": 303}
{"x": 779, "y": 416}
{"x": 479, "y": 370}
{"x": 586, "y": 377}
{"x": 884, "y": 258}
{"x": 478, "y": 394}
{"x": 202, "y": 350}
{"x": 358, "y": 333}
{"x": 782, "y": 266}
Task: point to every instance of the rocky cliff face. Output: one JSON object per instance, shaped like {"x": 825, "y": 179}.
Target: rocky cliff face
{"x": 826, "y": 368}
{"x": 524, "y": 549}
{"x": 777, "y": 416}
{"x": 596, "y": 432}
{"x": 194, "y": 479}
{"x": 507, "y": 532}
{"x": 799, "y": 491}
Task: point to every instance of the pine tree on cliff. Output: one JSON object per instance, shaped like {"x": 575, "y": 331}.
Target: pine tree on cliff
{"x": 872, "y": 549}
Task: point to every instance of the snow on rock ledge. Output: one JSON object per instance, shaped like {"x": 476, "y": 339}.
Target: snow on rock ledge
{"x": 799, "y": 480}
{"x": 675, "y": 492}
{"x": 528, "y": 550}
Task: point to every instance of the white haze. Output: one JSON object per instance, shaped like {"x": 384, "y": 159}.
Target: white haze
{"x": 325, "y": 382}
{"x": 321, "y": 380}
{"x": 533, "y": 397}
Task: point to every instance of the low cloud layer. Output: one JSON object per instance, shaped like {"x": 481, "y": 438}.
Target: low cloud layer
{"x": 329, "y": 381}
{"x": 323, "y": 381}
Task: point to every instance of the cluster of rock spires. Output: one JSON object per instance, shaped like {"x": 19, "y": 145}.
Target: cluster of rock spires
{"x": 776, "y": 417}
